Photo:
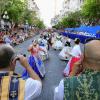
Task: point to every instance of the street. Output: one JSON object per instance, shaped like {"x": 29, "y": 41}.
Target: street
{"x": 54, "y": 68}
{"x": 70, "y": 25}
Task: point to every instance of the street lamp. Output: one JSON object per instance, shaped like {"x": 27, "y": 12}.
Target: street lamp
{"x": 5, "y": 18}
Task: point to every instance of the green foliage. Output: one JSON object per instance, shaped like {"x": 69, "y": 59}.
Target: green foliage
{"x": 68, "y": 22}
{"x": 72, "y": 20}
{"x": 19, "y": 13}
{"x": 29, "y": 16}
{"x": 39, "y": 24}
{"x": 89, "y": 15}
{"x": 3, "y": 4}
{"x": 15, "y": 10}
{"x": 91, "y": 11}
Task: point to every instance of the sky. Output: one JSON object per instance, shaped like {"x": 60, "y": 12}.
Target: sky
{"x": 47, "y": 9}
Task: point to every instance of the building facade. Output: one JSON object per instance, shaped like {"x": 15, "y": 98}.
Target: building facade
{"x": 32, "y": 6}
{"x": 71, "y": 6}
{"x": 67, "y": 7}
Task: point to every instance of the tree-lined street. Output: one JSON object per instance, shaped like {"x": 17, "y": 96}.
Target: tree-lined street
{"x": 63, "y": 25}
{"x": 54, "y": 68}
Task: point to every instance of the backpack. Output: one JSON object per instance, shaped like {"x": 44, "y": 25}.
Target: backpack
{"x": 12, "y": 87}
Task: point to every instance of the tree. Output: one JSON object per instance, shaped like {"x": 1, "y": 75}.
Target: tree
{"x": 39, "y": 24}
{"x": 30, "y": 16}
{"x": 88, "y": 15}
{"x": 91, "y": 12}
{"x": 18, "y": 12}
{"x": 15, "y": 10}
{"x": 3, "y": 4}
{"x": 72, "y": 20}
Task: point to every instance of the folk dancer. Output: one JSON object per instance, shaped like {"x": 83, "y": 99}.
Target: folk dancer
{"x": 75, "y": 56}
{"x": 35, "y": 60}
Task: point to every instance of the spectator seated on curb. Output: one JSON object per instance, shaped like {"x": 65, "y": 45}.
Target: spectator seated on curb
{"x": 12, "y": 85}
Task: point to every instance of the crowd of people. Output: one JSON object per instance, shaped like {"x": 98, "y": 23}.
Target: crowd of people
{"x": 14, "y": 38}
{"x": 82, "y": 70}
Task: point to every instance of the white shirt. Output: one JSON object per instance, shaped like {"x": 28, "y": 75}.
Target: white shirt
{"x": 76, "y": 51}
{"x": 32, "y": 89}
{"x": 59, "y": 91}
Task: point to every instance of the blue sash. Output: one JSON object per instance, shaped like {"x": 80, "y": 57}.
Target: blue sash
{"x": 37, "y": 66}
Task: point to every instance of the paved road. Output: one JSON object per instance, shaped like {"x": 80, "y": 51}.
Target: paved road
{"x": 54, "y": 67}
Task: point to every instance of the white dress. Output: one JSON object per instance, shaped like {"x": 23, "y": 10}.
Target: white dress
{"x": 44, "y": 56}
{"x": 58, "y": 45}
{"x": 63, "y": 55}
{"x": 75, "y": 52}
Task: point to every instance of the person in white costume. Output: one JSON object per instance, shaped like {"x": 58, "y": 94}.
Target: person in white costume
{"x": 75, "y": 56}
{"x": 66, "y": 39}
{"x": 58, "y": 43}
{"x": 44, "y": 46}
{"x": 63, "y": 54}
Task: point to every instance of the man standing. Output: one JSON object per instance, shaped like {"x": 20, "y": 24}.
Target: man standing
{"x": 12, "y": 85}
{"x": 86, "y": 86}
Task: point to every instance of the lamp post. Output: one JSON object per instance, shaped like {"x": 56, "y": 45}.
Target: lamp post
{"x": 5, "y": 18}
